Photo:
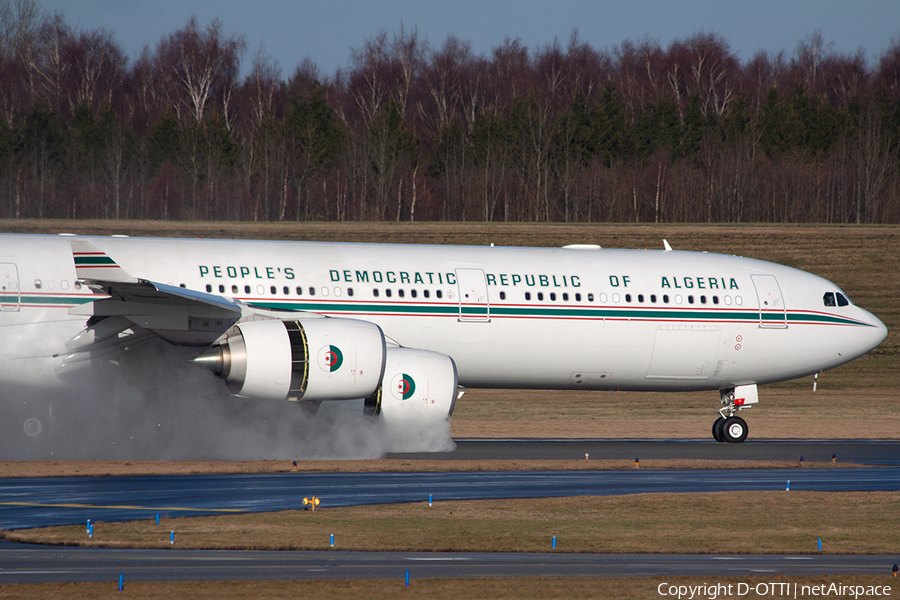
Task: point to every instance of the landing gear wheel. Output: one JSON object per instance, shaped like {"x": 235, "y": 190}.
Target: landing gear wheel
{"x": 734, "y": 430}
{"x": 717, "y": 429}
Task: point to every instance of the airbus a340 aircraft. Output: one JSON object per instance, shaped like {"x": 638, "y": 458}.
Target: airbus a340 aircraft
{"x": 408, "y": 328}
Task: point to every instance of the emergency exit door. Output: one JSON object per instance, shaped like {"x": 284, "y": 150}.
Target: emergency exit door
{"x": 772, "y": 311}
{"x": 473, "y": 295}
{"x": 9, "y": 287}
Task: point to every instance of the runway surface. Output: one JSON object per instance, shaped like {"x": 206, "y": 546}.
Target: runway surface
{"x": 52, "y": 501}
{"x": 869, "y": 452}
{"x": 34, "y": 564}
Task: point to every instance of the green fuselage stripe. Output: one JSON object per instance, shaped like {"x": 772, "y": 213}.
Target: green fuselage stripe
{"x": 723, "y": 315}
{"x": 496, "y": 310}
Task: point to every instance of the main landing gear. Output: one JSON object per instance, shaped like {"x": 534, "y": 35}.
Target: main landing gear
{"x": 728, "y": 427}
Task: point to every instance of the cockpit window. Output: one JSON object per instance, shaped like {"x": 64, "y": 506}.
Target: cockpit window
{"x": 835, "y": 299}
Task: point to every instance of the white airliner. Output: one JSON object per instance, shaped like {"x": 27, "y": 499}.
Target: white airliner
{"x": 409, "y": 327}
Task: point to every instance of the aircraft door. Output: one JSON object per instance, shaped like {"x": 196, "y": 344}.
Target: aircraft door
{"x": 9, "y": 287}
{"x": 473, "y": 295}
{"x": 772, "y": 311}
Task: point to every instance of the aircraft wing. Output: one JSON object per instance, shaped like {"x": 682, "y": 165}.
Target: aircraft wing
{"x": 176, "y": 314}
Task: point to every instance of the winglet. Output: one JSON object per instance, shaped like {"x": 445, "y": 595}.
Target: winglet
{"x": 93, "y": 264}
{"x": 667, "y": 246}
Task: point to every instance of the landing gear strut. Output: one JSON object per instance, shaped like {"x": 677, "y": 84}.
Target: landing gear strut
{"x": 728, "y": 427}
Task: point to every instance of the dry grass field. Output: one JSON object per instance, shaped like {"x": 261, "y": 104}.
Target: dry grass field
{"x": 469, "y": 589}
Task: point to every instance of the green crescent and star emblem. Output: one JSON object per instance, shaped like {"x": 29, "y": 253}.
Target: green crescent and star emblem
{"x": 404, "y": 386}
{"x": 333, "y": 358}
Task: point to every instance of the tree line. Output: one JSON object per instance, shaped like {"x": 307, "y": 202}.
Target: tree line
{"x": 415, "y": 131}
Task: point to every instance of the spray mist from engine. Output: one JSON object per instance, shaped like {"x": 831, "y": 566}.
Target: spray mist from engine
{"x": 153, "y": 404}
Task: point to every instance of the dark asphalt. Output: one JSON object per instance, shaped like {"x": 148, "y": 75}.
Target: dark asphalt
{"x": 869, "y": 452}
{"x": 32, "y": 564}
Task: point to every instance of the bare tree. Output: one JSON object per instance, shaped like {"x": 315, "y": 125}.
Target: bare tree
{"x": 408, "y": 52}
{"x": 95, "y": 69}
{"x": 872, "y": 163}
{"x": 810, "y": 54}
{"x": 201, "y": 64}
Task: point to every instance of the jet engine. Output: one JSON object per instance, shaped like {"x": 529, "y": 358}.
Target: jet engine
{"x": 418, "y": 386}
{"x": 306, "y": 359}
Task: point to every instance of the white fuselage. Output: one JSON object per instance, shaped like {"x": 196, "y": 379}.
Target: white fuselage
{"x": 509, "y": 317}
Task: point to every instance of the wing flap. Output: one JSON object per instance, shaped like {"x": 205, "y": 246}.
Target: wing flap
{"x": 176, "y": 314}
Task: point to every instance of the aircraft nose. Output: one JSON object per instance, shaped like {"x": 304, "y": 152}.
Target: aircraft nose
{"x": 875, "y": 333}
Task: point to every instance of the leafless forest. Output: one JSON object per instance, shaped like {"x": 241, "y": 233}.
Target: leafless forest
{"x": 419, "y": 130}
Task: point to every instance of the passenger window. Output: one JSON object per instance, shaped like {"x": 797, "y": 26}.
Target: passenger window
{"x": 387, "y": 292}
{"x": 234, "y": 289}
{"x": 299, "y": 291}
{"x": 553, "y": 296}
{"x": 828, "y": 299}
{"x": 565, "y": 297}
{"x": 312, "y": 291}
{"x": 246, "y": 289}
{"x": 375, "y": 292}
{"x": 426, "y": 293}
{"x": 273, "y": 290}
{"x": 641, "y": 298}
{"x": 590, "y": 297}
{"x": 627, "y": 297}
{"x": 653, "y": 298}
{"x": 540, "y": 296}
{"x": 577, "y": 297}
{"x": 690, "y": 299}
{"x": 528, "y": 295}
{"x": 287, "y": 290}
{"x": 702, "y": 299}
{"x": 842, "y": 300}
{"x": 208, "y": 288}
{"x": 715, "y": 299}
{"x": 221, "y": 289}
{"x": 349, "y": 291}
{"x": 413, "y": 293}
{"x": 665, "y": 298}
{"x": 400, "y": 293}
{"x": 439, "y": 294}
{"x": 503, "y": 295}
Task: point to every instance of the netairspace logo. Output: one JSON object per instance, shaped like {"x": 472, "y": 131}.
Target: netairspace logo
{"x": 772, "y": 590}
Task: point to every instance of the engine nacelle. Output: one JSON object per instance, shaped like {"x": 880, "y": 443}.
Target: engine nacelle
{"x": 419, "y": 386}
{"x": 308, "y": 359}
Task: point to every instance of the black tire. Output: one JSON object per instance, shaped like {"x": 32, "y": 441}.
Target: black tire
{"x": 734, "y": 430}
{"x": 717, "y": 429}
